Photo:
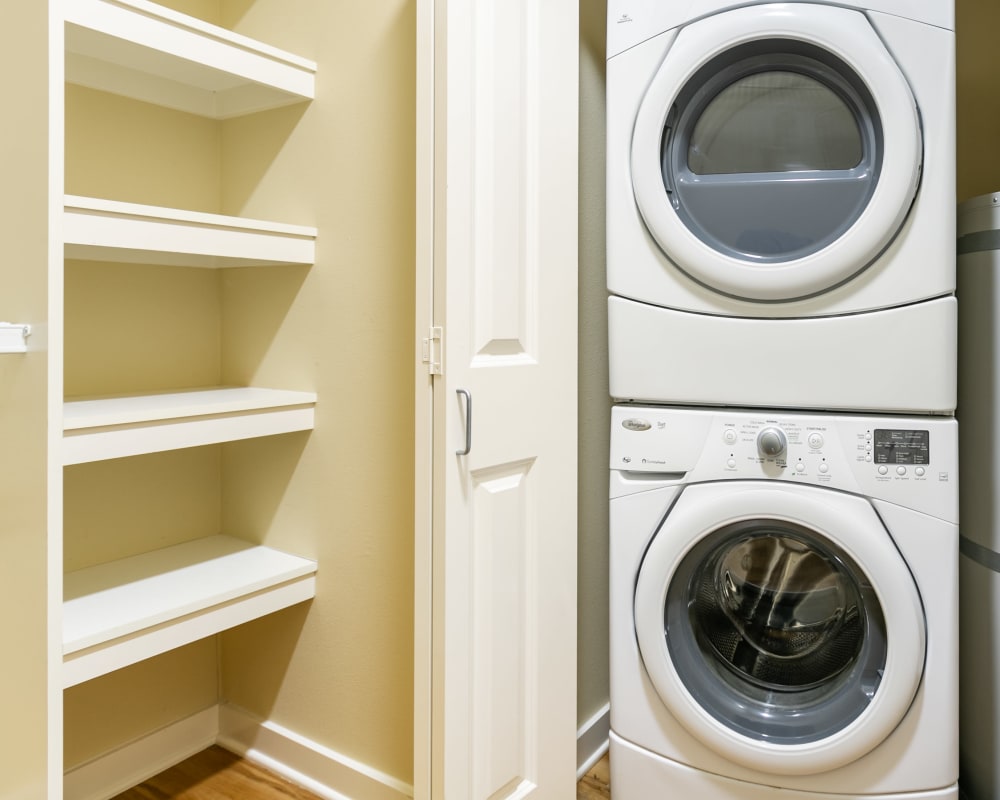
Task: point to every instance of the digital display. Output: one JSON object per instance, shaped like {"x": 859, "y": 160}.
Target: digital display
{"x": 902, "y": 447}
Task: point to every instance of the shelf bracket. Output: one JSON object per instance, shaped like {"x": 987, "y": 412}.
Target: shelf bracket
{"x": 14, "y": 337}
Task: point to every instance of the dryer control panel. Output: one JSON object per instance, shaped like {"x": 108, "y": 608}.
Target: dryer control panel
{"x": 910, "y": 461}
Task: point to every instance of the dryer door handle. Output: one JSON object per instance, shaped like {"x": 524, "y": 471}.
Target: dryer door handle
{"x": 468, "y": 422}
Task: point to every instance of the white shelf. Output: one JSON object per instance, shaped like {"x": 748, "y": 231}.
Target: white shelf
{"x": 150, "y": 53}
{"x": 108, "y": 230}
{"x": 125, "y": 611}
{"x": 96, "y": 429}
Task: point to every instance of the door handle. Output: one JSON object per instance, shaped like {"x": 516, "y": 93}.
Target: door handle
{"x": 468, "y": 422}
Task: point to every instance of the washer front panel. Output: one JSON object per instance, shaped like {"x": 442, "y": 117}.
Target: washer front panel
{"x": 777, "y": 150}
{"x": 779, "y": 625}
{"x": 665, "y": 457}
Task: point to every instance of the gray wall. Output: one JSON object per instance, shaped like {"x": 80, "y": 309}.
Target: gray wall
{"x": 592, "y": 672}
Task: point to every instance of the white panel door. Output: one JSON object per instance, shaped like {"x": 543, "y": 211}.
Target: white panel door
{"x": 503, "y": 548}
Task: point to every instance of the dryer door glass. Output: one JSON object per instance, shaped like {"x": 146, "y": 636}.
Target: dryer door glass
{"x": 775, "y": 632}
{"x": 772, "y": 151}
{"x": 775, "y": 122}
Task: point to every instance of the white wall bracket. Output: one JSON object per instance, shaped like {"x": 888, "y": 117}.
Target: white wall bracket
{"x": 14, "y": 337}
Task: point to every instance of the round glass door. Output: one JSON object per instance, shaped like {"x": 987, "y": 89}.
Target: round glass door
{"x": 772, "y": 152}
{"x": 779, "y": 624}
{"x": 778, "y": 635}
{"x": 777, "y": 150}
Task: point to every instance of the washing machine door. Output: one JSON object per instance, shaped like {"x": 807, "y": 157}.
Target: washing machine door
{"x": 779, "y": 625}
{"x": 777, "y": 150}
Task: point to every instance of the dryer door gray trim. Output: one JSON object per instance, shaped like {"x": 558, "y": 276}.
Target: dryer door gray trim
{"x": 772, "y": 151}
{"x": 774, "y": 236}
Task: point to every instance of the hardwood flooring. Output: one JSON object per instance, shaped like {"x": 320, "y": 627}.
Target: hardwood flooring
{"x": 596, "y": 784}
{"x": 217, "y": 774}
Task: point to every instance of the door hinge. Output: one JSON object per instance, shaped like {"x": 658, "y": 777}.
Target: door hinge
{"x": 432, "y": 348}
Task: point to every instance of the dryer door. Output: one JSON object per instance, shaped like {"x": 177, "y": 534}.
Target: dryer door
{"x": 780, "y": 626}
{"x": 777, "y": 150}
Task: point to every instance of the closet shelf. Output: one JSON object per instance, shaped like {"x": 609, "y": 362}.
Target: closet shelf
{"x": 147, "y": 52}
{"x": 125, "y": 611}
{"x": 96, "y": 429}
{"x": 109, "y": 230}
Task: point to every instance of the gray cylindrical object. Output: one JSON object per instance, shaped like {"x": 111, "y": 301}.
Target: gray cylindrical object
{"x": 978, "y": 275}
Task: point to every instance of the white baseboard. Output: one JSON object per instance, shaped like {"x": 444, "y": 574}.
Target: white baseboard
{"x": 121, "y": 769}
{"x": 322, "y": 771}
{"x": 592, "y": 740}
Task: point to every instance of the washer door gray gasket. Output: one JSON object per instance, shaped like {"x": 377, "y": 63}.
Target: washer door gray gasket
{"x": 778, "y": 634}
{"x": 759, "y": 673}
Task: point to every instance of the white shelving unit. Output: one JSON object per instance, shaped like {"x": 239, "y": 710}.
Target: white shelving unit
{"x": 108, "y": 230}
{"x": 144, "y": 51}
{"x": 96, "y": 429}
{"x": 122, "y": 612}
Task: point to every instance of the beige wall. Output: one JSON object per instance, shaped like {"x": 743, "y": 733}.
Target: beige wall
{"x": 592, "y": 506}
{"x": 23, "y": 406}
{"x": 977, "y": 23}
{"x": 342, "y": 674}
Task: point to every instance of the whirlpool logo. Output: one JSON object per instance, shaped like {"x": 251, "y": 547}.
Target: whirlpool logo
{"x": 636, "y": 424}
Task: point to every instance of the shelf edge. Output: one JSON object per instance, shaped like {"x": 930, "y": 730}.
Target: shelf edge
{"x": 85, "y": 665}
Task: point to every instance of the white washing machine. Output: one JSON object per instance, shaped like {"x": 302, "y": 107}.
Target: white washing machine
{"x": 783, "y": 605}
{"x": 780, "y": 203}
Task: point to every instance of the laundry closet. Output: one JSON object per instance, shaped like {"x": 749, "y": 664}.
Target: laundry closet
{"x": 228, "y": 205}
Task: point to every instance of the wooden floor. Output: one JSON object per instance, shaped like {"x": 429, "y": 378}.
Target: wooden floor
{"x": 596, "y": 784}
{"x": 217, "y": 774}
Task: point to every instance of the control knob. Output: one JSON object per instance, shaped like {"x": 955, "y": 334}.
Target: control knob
{"x": 771, "y": 442}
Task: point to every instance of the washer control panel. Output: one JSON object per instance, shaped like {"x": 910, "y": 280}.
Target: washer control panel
{"x": 912, "y": 461}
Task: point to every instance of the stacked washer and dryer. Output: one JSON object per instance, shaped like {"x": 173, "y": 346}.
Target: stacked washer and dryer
{"x": 782, "y": 342}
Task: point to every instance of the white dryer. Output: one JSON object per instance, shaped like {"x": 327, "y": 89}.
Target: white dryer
{"x": 783, "y": 605}
{"x": 780, "y": 203}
